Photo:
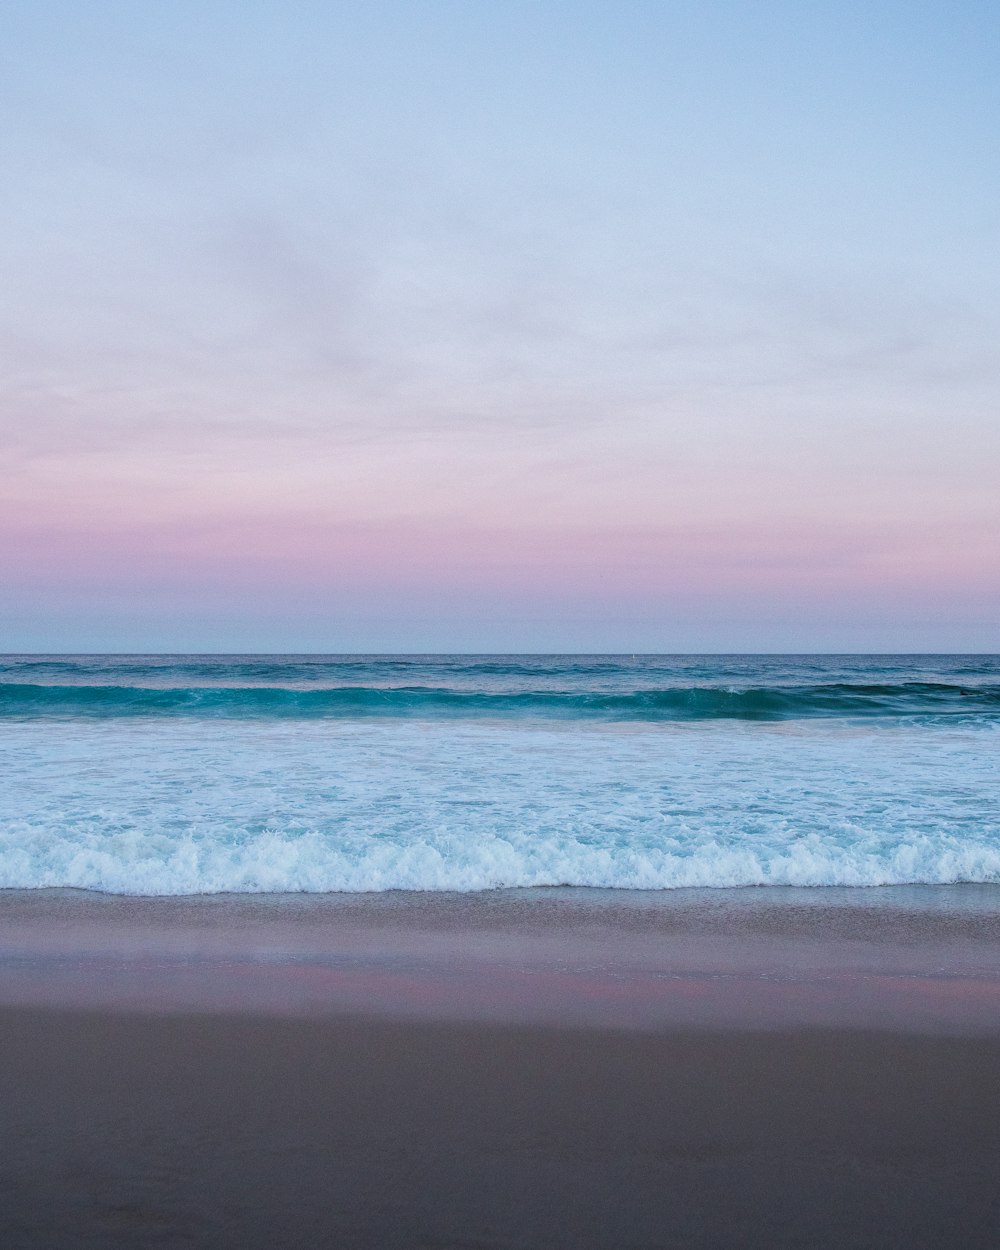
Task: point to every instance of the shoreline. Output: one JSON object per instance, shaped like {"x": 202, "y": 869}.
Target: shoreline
{"x": 522, "y": 1070}
{"x": 898, "y": 959}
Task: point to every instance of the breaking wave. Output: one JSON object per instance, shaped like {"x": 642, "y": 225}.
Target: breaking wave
{"x": 841, "y": 699}
{"x": 186, "y": 775}
{"x": 149, "y": 863}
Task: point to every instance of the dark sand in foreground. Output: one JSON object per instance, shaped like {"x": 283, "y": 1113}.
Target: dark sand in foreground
{"x": 525, "y": 1069}
{"x": 227, "y": 1131}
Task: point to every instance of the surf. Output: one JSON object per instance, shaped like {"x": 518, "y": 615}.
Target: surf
{"x": 680, "y": 703}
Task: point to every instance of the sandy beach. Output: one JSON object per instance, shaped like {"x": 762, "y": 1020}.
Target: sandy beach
{"x": 219, "y": 1073}
{"x": 221, "y": 1131}
{"x": 499, "y": 625}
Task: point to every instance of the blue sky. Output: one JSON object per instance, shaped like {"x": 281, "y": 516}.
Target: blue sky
{"x": 499, "y": 326}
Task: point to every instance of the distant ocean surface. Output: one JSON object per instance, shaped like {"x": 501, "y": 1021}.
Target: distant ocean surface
{"x": 199, "y": 774}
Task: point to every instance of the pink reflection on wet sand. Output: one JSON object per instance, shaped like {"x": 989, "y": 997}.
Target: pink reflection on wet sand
{"x": 471, "y": 991}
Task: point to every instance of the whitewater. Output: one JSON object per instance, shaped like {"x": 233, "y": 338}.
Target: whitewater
{"x": 166, "y": 775}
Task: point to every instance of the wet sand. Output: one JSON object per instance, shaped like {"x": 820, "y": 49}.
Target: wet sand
{"x": 530, "y": 1070}
{"x": 240, "y": 1131}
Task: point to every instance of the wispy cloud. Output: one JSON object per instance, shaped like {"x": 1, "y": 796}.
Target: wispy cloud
{"x": 462, "y": 299}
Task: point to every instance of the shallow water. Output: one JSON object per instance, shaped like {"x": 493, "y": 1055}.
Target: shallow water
{"x": 183, "y": 775}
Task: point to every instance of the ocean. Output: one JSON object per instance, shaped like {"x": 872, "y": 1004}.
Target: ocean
{"x": 188, "y": 774}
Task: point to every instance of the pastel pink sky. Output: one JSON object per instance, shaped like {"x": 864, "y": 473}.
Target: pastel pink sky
{"x": 470, "y": 328}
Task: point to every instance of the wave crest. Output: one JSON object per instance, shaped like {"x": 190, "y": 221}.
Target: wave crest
{"x": 669, "y": 704}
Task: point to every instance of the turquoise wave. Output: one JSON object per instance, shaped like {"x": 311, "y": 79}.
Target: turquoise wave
{"x": 905, "y": 699}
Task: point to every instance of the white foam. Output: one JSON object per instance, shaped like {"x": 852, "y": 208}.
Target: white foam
{"x": 195, "y": 807}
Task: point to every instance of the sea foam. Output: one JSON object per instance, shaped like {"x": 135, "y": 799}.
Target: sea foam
{"x": 201, "y": 805}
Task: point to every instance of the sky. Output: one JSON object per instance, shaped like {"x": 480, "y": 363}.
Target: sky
{"x": 530, "y": 325}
